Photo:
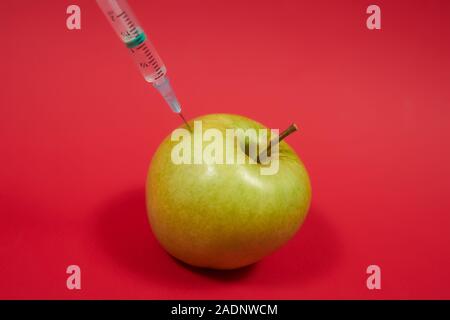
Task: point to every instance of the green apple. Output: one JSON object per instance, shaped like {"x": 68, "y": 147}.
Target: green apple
{"x": 225, "y": 216}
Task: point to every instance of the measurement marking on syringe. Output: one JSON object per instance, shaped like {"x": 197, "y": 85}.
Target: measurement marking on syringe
{"x": 152, "y": 61}
{"x": 154, "y": 64}
{"x": 128, "y": 22}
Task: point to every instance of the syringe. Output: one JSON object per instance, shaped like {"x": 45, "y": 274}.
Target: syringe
{"x": 129, "y": 30}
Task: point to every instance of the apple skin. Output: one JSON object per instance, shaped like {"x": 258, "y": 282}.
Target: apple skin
{"x": 225, "y": 216}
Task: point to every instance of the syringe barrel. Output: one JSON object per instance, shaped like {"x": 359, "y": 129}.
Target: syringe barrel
{"x": 129, "y": 30}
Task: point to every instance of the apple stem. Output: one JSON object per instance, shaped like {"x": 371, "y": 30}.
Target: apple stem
{"x": 292, "y": 128}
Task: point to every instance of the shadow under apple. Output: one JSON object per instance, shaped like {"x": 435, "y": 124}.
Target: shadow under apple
{"x": 125, "y": 235}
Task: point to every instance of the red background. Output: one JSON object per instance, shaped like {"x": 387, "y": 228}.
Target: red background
{"x": 79, "y": 125}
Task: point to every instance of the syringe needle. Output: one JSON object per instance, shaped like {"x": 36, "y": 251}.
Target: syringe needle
{"x": 185, "y": 122}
